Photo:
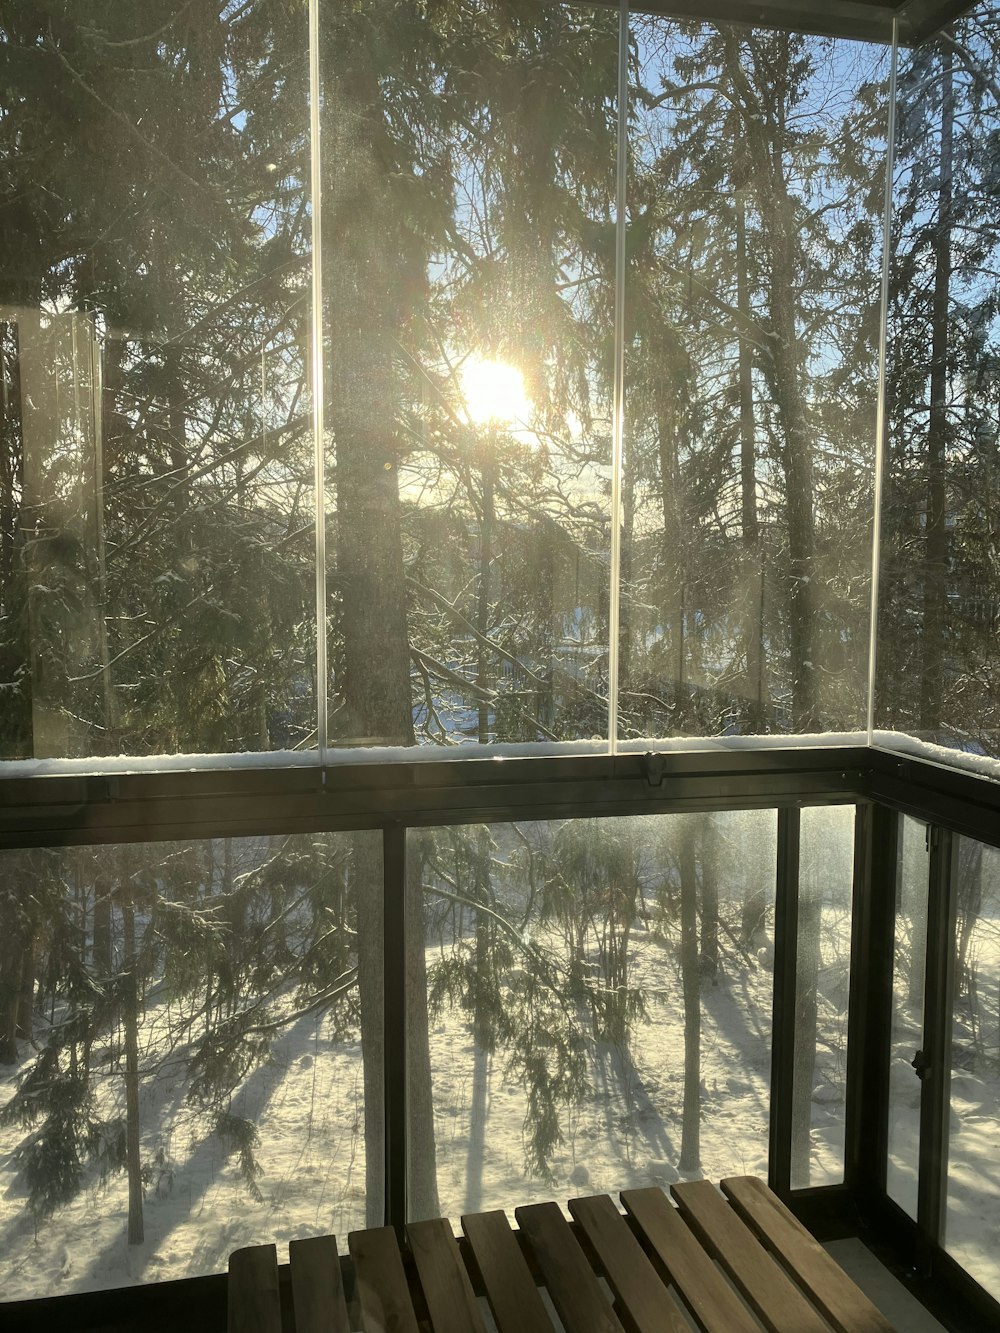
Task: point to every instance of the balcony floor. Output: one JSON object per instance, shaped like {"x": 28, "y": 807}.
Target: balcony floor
{"x": 888, "y": 1293}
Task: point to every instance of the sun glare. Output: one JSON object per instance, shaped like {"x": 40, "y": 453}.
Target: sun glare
{"x": 494, "y": 393}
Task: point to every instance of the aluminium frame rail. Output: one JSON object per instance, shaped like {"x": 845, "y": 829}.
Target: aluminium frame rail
{"x": 146, "y": 806}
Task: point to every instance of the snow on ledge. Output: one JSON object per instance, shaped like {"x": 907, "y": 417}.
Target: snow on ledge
{"x": 101, "y": 766}
{"x": 892, "y": 742}
{"x": 807, "y": 741}
{"x": 944, "y": 756}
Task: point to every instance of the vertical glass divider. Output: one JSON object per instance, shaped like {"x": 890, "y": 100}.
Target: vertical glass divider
{"x": 883, "y": 354}
{"x": 618, "y": 407}
{"x": 870, "y": 1036}
{"x": 869, "y": 1033}
{"x": 786, "y": 930}
{"x": 316, "y": 349}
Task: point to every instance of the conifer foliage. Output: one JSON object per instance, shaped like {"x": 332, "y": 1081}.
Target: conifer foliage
{"x": 159, "y": 513}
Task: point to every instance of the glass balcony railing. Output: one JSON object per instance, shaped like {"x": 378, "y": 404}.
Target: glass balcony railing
{"x": 498, "y": 618}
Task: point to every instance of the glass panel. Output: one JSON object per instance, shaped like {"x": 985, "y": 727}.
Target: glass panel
{"x": 940, "y": 602}
{"x": 188, "y": 1062}
{"x": 909, "y": 960}
{"x": 753, "y": 295}
{"x": 972, "y": 1216}
{"x": 156, "y": 537}
{"x": 469, "y": 271}
{"x": 822, "y": 988}
{"x": 600, "y": 998}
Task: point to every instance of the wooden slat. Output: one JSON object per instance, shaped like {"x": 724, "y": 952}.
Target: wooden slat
{"x": 510, "y": 1289}
{"x": 843, "y": 1303}
{"x": 254, "y": 1305}
{"x": 451, "y": 1302}
{"x": 768, "y": 1289}
{"x": 380, "y": 1281}
{"x": 632, "y": 1277}
{"x": 575, "y": 1291}
{"x": 317, "y": 1286}
{"x": 714, "y": 1304}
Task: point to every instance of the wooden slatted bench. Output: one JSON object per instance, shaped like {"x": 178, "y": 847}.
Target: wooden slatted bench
{"x": 729, "y": 1262}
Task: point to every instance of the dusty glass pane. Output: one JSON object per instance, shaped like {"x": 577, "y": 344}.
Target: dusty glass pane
{"x": 972, "y": 1213}
{"x": 938, "y": 643}
{"x": 599, "y": 1006}
{"x": 156, "y": 525}
{"x": 909, "y": 961}
{"x": 182, "y": 1029}
{"x": 757, "y": 162}
{"x": 822, "y": 987}
{"x": 468, "y": 186}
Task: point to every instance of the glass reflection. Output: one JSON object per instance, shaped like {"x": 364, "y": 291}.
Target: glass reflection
{"x": 469, "y": 370}
{"x": 189, "y": 1061}
{"x": 938, "y": 641}
{"x": 156, "y": 528}
{"x": 599, "y": 996}
{"x": 757, "y": 162}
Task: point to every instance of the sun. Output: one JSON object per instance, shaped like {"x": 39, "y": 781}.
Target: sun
{"x": 494, "y": 392}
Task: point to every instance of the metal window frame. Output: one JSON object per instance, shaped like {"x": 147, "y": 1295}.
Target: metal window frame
{"x": 914, "y": 1248}
{"x": 935, "y": 1086}
{"x": 148, "y": 807}
{"x": 144, "y": 807}
{"x": 786, "y": 930}
{"x": 856, "y": 20}
{"x": 395, "y": 1072}
{"x": 869, "y": 1032}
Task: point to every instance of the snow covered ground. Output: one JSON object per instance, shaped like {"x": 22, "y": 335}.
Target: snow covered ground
{"x": 307, "y": 1103}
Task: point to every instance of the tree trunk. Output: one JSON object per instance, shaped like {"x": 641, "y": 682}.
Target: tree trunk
{"x": 806, "y": 1011}
{"x": 102, "y": 952}
{"x": 130, "y": 1023}
{"x": 10, "y": 456}
{"x": 913, "y": 905}
{"x": 26, "y": 992}
{"x": 935, "y": 607}
{"x": 709, "y": 899}
{"x": 970, "y": 906}
{"x": 105, "y": 378}
{"x": 674, "y": 538}
{"x": 690, "y": 1158}
{"x": 625, "y": 628}
{"x": 483, "y": 601}
{"x": 783, "y": 369}
{"x": 48, "y": 548}
{"x": 366, "y": 306}
{"x": 422, "y": 1193}
{"x": 752, "y": 566}
{"x": 376, "y": 684}
{"x": 15, "y": 725}
{"x": 753, "y": 910}
{"x": 369, "y": 908}
{"x": 17, "y": 524}
{"x": 10, "y": 997}
{"x": 799, "y": 502}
